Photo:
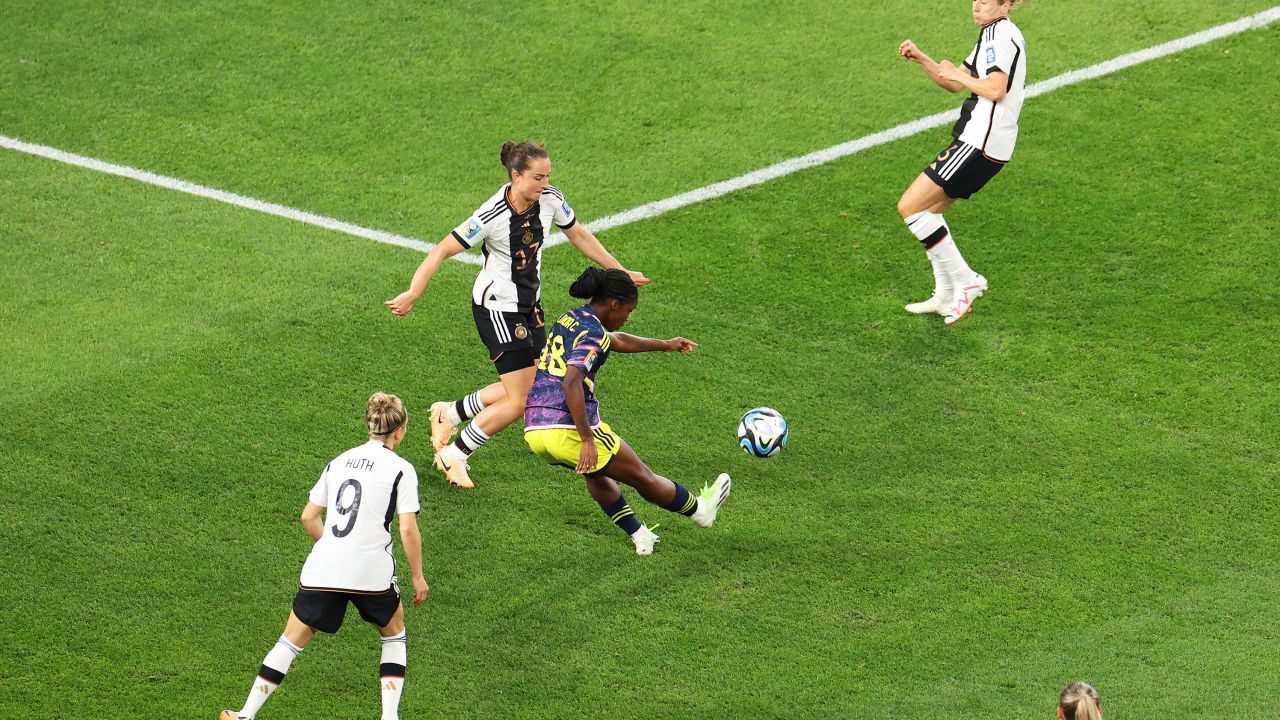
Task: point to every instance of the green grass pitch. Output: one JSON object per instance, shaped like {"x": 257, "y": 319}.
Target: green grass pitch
{"x": 1078, "y": 482}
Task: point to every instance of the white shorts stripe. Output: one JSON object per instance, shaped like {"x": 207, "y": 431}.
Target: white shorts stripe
{"x": 499, "y": 327}
{"x": 956, "y": 162}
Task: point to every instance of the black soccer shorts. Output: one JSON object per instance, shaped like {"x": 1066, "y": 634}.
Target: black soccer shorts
{"x": 961, "y": 170}
{"x": 324, "y": 610}
{"x": 514, "y": 339}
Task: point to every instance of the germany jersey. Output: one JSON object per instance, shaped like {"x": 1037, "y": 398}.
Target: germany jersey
{"x": 992, "y": 127}
{"x": 577, "y": 339}
{"x": 510, "y": 280}
{"x": 361, "y": 491}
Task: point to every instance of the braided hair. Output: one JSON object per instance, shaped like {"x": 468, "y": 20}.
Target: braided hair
{"x": 599, "y": 285}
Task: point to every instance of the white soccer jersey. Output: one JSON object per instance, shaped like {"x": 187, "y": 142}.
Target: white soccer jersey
{"x": 992, "y": 127}
{"x": 361, "y": 491}
{"x": 510, "y": 280}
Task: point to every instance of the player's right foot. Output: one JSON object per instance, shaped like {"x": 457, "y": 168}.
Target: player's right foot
{"x": 710, "y": 500}
{"x": 939, "y": 303}
{"x": 228, "y": 715}
{"x": 645, "y": 539}
{"x": 441, "y": 428}
{"x": 966, "y": 293}
{"x": 453, "y": 463}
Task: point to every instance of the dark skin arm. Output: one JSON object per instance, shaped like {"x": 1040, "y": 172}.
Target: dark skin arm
{"x": 577, "y": 402}
{"x": 576, "y": 399}
{"x": 624, "y": 343}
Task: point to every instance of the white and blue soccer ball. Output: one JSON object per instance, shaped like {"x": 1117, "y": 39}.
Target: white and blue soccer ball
{"x": 762, "y": 432}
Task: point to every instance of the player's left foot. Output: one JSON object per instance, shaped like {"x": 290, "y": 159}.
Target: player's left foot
{"x": 966, "y": 293}
{"x": 644, "y": 539}
{"x": 453, "y": 463}
{"x": 939, "y": 303}
{"x": 441, "y": 428}
{"x": 228, "y": 715}
{"x": 710, "y": 500}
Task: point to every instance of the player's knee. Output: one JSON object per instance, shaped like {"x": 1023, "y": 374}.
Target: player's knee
{"x": 517, "y": 404}
{"x": 905, "y": 208}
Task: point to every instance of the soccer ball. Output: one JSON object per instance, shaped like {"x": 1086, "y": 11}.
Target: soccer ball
{"x": 762, "y": 432}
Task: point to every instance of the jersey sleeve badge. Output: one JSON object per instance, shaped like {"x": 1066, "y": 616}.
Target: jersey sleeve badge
{"x": 473, "y": 228}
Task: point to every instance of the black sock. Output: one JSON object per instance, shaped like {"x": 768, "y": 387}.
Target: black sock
{"x": 622, "y": 515}
{"x": 685, "y": 502}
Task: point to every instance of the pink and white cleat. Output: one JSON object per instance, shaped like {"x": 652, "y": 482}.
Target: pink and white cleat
{"x": 965, "y": 293}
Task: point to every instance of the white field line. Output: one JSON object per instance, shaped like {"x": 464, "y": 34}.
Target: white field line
{"x": 221, "y": 196}
{"x": 660, "y": 207}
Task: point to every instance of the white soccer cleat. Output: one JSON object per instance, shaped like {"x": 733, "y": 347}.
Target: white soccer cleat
{"x": 939, "y": 303}
{"x": 966, "y": 293}
{"x": 441, "y": 429}
{"x": 645, "y": 539}
{"x": 710, "y": 500}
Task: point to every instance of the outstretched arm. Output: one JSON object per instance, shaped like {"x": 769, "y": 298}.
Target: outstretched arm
{"x": 445, "y": 249}
{"x": 624, "y": 343}
{"x": 588, "y": 245}
{"x": 909, "y": 51}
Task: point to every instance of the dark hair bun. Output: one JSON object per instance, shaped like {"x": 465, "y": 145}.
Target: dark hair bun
{"x": 588, "y": 284}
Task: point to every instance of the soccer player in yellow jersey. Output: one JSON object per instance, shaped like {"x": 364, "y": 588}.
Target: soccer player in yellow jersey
{"x": 562, "y": 417}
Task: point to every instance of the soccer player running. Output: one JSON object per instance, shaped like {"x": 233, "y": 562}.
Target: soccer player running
{"x": 995, "y": 74}
{"x": 505, "y": 299}
{"x": 562, "y": 419}
{"x": 359, "y": 492}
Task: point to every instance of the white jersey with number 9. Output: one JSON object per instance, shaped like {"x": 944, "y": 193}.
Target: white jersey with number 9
{"x": 362, "y": 491}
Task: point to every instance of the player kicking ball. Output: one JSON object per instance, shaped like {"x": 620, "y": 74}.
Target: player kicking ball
{"x": 562, "y": 417}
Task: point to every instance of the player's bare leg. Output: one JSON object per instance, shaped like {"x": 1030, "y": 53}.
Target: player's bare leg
{"x": 627, "y": 468}
{"x": 921, "y": 207}
{"x": 614, "y": 504}
{"x": 446, "y": 416}
{"x": 453, "y": 459}
{"x": 297, "y": 635}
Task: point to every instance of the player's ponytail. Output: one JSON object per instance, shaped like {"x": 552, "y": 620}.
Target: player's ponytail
{"x": 1079, "y": 701}
{"x": 598, "y": 285}
{"x": 384, "y": 414}
{"x": 517, "y": 156}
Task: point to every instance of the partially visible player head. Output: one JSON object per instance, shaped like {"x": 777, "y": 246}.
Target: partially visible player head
{"x": 1079, "y": 701}
{"x": 528, "y": 167}
{"x": 986, "y": 12}
{"x": 386, "y": 419}
{"x": 612, "y": 294}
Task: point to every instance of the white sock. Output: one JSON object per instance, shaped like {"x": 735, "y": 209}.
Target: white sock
{"x": 467, "y": 408}
{"x": 942, "y": 285}
{"x": 452, "y": 414}
{"x": 948, "y": 255}
{"x": 395, "y": 655}
{"x": 270, "y": 675}
{"x": 931, "y": 230}
{"x": 471, "y": 438}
